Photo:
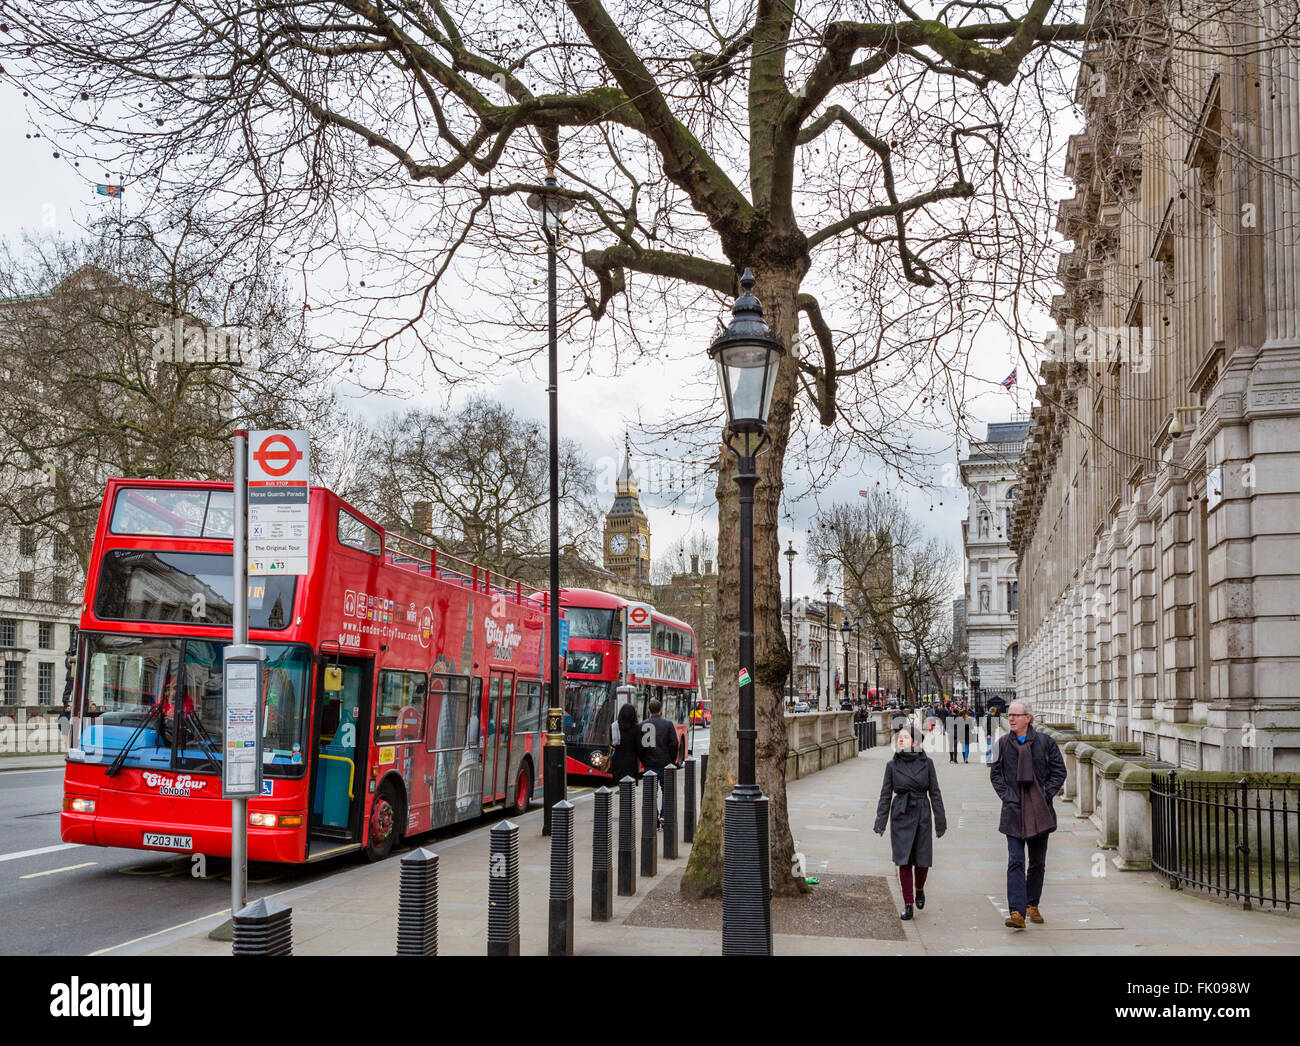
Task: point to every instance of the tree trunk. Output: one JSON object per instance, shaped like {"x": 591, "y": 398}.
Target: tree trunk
{"x": 777, "y": 289}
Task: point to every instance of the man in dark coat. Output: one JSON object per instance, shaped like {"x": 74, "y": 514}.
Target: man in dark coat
{"x": 1027, "y": 772}
{"x": 659, "y": 744}
{"x": 910, "y": 791}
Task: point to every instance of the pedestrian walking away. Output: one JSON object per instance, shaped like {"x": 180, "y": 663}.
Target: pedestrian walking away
{"x": 1027, "y": 772}
{"x": 952, "y": 728}
{"x": 625, "y": 760}
{"x": 658, "y": 746}
{"x": 966, "y": 728}
{"x": 908, "y": 797}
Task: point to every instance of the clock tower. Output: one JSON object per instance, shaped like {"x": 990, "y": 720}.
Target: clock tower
{"x": 627, "y": 530}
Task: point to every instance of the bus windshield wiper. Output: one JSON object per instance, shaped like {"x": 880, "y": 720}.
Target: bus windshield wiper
{"x": 115, "y": 767}
{"x": 200, "y": 734}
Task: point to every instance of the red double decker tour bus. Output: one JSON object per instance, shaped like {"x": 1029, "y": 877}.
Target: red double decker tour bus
{"x": 404, "y": 689}
{"x": 596, "y": 666}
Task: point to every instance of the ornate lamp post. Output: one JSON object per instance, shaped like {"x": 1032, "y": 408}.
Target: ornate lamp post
{"x": 830, "y": 646}
{"x": 789, "y": 554}
{"x": 975, "y": 687}
{"x": 845, "y": 631}
{"x": 550, "y": 207}
{"x": 857, "y": 648}
{"x": 747, "y": 354}
{"x": 875, "y": 649}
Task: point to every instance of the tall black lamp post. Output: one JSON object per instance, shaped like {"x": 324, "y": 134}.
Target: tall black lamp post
{"x": 875, "y": 649}
{"x": 846, "y": 630}
{"x": 747, "y": 354}
{"x": 550, "y": 206}
{"x": 857, "y": 649}
{"x": 789, "y": 554}
{"x": 975, "y": 687}
{"x": 830, "y": 646}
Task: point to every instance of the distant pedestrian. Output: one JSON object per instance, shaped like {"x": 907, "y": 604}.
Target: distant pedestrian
{"x": 965, "y": 728}
{"x": 908, "y": 796}
{"x": 952, "y": 727}
{"x": 658, "y": 746}
{"x": 1027, "y": 772}
{"x": 626, "y": 735}
{"x": 988, "y": 735}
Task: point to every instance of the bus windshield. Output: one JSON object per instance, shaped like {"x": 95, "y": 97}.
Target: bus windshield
{"x": 166, "y": 685}
{"x": 590, "y": 622}
{"x": 588, "y": 712}
{"x": 191, "y": 588}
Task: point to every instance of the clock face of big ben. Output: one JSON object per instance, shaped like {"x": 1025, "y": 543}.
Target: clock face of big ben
{"x": 618, "y": 544}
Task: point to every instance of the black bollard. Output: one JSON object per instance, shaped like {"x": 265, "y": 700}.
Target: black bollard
{"x": 417, "y": 904}
{"x": 704, "y": 771}
{"x": 265, "y": 927}
{"x": 649, "y": 825}
{"x": 688, "y": 817}
{"x": 602, "y": 857}
{"x": 871, "y": 734}
{"x": 559, "y": 938}
{"x": 747, "y": 880}
{"x": 626, "y": 838}
{"x": 503, "y": 890}
{"x": 670, "y": 812}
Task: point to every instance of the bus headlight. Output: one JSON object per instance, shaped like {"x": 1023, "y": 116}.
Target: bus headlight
{"x": 261, "y": 820}
{"x": 78, "y": 805}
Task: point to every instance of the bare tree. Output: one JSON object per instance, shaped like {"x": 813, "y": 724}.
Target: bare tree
{"x": 897, "y": 581}
{"x": 483, "y": 473}
{"x": 96, "y": 383}
{"x": 875, "y": 165}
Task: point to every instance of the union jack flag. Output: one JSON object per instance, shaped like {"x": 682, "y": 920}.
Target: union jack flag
{"x": 1010, "y": 379}
{"x": 863, "y": 494}
{"x": 109, "y": 190}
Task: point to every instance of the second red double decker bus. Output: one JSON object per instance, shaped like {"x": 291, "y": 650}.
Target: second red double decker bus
{"x": 596, "y": 666}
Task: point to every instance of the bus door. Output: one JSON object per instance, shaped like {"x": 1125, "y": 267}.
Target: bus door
{"x": 340, "y": 739}
{"x": 500, "y": 730}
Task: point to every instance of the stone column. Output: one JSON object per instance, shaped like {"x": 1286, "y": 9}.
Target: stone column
{"x": 1119, "y": 598}
{"x": 1088, "y": 586}
{"x": 1178, "y": 656}
{"x": 1077, "y": 652}
{"x": 1104, "y": 619}
{"x": 1143, "y": 627}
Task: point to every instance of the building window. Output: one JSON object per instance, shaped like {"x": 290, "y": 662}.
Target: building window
{"x": 984, "y": 490}
{"x": 13, "y": 682}
{"x": 60, "y": 546}
{"x": 45, "y": 683}
{"x": 984, "y": 566}
{"x": 26, "y": 585}
{"x": 60, "y": 589}
{"x": 45, "y": 635}
{"x": 708, "y": 668}
{"x": 27, "y": 542}
{"x": 8, "y": 632}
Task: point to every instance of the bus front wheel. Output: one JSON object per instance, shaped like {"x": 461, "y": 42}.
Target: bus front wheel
{"x": 523, "y": 790}
{"x": 383, "y": 824}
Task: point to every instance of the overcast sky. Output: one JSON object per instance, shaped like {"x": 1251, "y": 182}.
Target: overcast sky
{"x": 49, "y": 196}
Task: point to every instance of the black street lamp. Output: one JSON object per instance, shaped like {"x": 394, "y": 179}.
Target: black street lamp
{"x": 975, "y": 686}
{"x": 550, "y": 206}
{"x": 747, "y": 354}
{"x": 907, "y": 671}
{"x": 857, "y": 646}
{"x": 830, "y": 646}
{"x": 845, "y": 630}
{"x": 875, "y": 649}
{"x": 789, "y": 554}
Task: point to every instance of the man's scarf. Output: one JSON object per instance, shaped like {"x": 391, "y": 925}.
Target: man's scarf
{"x": 1035, "y": 811}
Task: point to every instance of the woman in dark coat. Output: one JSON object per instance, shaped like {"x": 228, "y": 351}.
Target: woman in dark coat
{"x": 910, "y": 792}
{"x": 627, "y": 746}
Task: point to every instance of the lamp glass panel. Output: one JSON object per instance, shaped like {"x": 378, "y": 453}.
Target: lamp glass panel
{"x": 745, "y": 374}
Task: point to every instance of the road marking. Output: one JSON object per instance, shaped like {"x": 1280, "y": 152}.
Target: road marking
{"x": 15, "y": 773}
{"x": 52, "y": 871}
{"x": 39, "y": 850}
{"x": 178, "y": 926}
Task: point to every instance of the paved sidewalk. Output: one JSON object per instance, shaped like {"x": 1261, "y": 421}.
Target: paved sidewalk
{"x": 1090, "y": 907}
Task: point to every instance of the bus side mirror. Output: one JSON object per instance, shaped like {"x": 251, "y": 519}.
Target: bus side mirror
{"x": 333, "y": 679}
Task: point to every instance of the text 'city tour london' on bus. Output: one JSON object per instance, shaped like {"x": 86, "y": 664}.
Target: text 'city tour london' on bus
{"x": 404, "y": 689}
{"x": 595, "y": 666}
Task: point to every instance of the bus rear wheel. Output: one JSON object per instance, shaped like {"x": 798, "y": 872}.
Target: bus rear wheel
{"x": 383, "y": 824}
{"x": 523, "y": 790}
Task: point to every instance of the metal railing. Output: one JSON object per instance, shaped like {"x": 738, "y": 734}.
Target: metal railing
{"x": 1234, "y": 840}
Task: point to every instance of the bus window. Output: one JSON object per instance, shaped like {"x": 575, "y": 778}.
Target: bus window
{"x": 448, "y": 715}
{"x": 528, "y": 706}
{"x": 399, "y": 712}
{"x": 356, "y": 534}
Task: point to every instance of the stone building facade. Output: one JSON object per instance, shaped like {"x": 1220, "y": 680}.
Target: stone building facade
{"x": 41, "y": 585}
{"x": 1158, "y": 526}
{"x": 988, "y": 472}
